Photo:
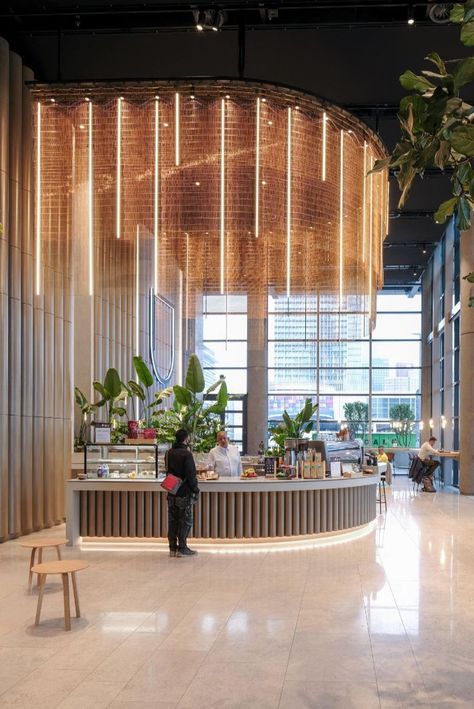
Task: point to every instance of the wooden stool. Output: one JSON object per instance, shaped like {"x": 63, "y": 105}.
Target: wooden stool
{"x": 382, "y": 500}
{"x": 41, "y": 543}
{"x": 65, "y": 567}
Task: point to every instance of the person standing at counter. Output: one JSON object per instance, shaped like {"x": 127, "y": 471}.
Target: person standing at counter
{"x": 224, "y": 458}
{"x": 179, "y": 461}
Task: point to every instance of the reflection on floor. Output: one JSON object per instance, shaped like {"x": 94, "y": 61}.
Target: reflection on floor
{"x": 383, "y": 621}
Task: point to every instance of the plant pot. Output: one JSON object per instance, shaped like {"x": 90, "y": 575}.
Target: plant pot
{"x": 133, "y": 429}
{"x": 149, "y": 433}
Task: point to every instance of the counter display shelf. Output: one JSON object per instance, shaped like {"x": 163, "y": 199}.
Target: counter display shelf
{"x": 120, "y": 461}
{"x": 228, "y": 508}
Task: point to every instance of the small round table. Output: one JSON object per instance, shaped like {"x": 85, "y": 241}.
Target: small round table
{"x": 41, "y": 543}
{"x": 63, "y": 567}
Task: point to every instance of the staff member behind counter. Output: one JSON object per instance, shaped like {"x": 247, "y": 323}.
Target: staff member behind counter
{"x": 224, "y": 458}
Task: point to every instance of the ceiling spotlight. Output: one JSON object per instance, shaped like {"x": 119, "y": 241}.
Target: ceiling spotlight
{"x": 411, "y": 15}
{"x": 87, "y": 98}
{"x": 197, "y": 184}
{"x": 264, "y": 100}
{"x": 192, "y": 97}
{"x": 208, "y": 19}
{"x": 53, "y": 100}
{"x": 423, "y": 249}
{"x": 82, "y": 126}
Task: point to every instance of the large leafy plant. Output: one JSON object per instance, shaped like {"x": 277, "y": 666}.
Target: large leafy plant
{"x": 87, "y": 408}
{"x": 192, "y": 409}
{"x": 292, "y": 427}
{"x": 113, "y": 395}
{"x": 437, "y": 127}
{"x": 142, "y": 390}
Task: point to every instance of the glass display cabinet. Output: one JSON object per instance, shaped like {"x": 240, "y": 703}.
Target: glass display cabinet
{"x": 112, "y": 461}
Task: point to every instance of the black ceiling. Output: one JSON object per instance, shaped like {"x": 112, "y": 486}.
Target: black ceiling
{"x": 351, "y": 53}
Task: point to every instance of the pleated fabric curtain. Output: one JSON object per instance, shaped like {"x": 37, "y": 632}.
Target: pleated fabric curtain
{"x": 36, "y": 332}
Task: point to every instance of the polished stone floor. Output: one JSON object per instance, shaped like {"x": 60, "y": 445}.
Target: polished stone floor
{"x": 381, "y": 621}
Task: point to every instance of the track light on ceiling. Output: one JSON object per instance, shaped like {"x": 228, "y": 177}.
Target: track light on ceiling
{"x": 411, "y": 15}
{"x": 210, "y": 20}
{"x": 423, "y": 250}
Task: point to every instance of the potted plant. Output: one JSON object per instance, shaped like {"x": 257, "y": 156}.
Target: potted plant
{"x": 142, "y": 390}
{"x": 192, "y": 410}
{"x": 86, "y": 409}
{"x": 292, "y": 427}
{"x": 113, "y": 393}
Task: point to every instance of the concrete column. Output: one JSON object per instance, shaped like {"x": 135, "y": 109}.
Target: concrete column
{"x": 466, "y": 407}
{"x": 426, "y": 357}
{"x": 257, "y": 370}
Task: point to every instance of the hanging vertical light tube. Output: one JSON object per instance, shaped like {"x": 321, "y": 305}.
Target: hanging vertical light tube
{"x": 137, "y": 292}
{"x": 341, "y": 216}
{"x": 323, "y": 160}
{"x": 156, "y": 199}
{"x": 371, "y": 224}
{"x": 222, "y": 201}
{"x": 382, "y": 219}
{"x": 288, "y": 206}
{"x": 186, "y": 295}
{"x": 91, "y": 204}
{"x": 119, "y": 165}
{"x": 38, "y": 200}
{"x": 257, "y": 172}
{"x": 364, "y": 205}
{"x": 176, "y": 132}
{"x": 387, "y": 203}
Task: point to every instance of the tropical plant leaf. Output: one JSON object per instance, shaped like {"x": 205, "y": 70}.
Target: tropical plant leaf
{"x": 469, "y": 277}
{"x": 79, "y": 397}
{"x": 437, "y": 61}
{"x": 445, "y": 210}
{"x": 464, "y": 72}
{"x": 457, "y": 13}
{"x": 223, "y": 396}
{"x": 98, "y": 386}
{"x": 462, "y": 140}
{"x": 463, "y": 213}
{"x": 182, "y": 395}
{"x": 136, "y": 390}
{"x": 288, "y": 422}
{"x": 194, "y": 376}
{"x": 119, "y": 411}
{"x": 467, "y": 34}
{"x": 143, "y": 373}
{"x": 414, "y": 82}
{"x": 216, "y": 384}
{"x": 112, "y": 382}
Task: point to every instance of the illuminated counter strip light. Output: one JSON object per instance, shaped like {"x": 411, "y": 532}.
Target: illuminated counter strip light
{"x": 176, "y": 121}
{"x": 288, "y": 207}
{"x": 257, "y": 172}
{"x": 119, "y": 165}
{"x": 156, "y": 195}
{"x": 341, "y": 216}
{"x": 91, "y": 203}
{"x": 323, "y": 161}
{"x": 222, "y": 201}
{"x": 38, "y": 201}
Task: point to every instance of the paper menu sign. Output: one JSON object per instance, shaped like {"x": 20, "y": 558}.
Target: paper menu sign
{"x": 335, "y": 469}
{"x": 102, "y": 433}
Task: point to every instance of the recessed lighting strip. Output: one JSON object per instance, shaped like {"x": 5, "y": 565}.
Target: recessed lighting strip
{"x": 38, "y": 199}
{"x": 91, "y": 201}
{"x": 288, "y": 206}
{"x": 257, "y": 172}
{"x": 222, "y": 201}
{"x": 119, "y": 165}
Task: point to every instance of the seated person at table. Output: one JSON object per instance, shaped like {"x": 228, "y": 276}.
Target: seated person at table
{"x": 382, "y": 457}
{"x": 424, "y": 454}
{"x": 224, "y": 458}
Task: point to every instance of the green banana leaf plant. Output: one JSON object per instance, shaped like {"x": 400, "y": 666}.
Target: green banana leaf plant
{"x": 87, "y": 408}
{"x": 113, "y": 395}
{"x": 437, "y": 127}
{"x": 192, "y": 411}
{"x": 142, "y": 391}
{"x": 292, "y": 427}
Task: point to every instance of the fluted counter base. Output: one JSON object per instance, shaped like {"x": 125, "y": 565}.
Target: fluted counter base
{"x": 227, "y": 510}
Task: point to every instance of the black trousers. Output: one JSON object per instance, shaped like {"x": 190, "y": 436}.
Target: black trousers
{"x": 180, "y": 521}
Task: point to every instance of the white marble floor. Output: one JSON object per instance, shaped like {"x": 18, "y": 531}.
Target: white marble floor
{"x": 383, "y": 621}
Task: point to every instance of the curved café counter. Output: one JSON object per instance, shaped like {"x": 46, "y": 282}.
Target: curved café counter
{"x": 228, "y": 508}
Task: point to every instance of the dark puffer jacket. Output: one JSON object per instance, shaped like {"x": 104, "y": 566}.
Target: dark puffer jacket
{"x": 180, "y": 462}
